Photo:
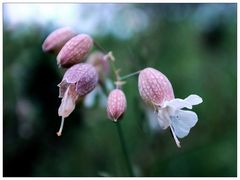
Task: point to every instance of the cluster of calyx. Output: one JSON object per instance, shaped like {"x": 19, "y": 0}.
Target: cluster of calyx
{"x": 85, "y": 71}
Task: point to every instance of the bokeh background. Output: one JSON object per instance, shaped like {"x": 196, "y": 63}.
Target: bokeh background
{"x": 194, "y": 45}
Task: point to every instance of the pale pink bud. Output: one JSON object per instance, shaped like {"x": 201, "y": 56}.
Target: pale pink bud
{"x": 98, "y": 60}
{"x": 78, "y": 81}
{"x": 116, "y": 104}
{"x": 75, "y": 50}
{"x": 154, "y": 87}
{"x": 56, "y": 40}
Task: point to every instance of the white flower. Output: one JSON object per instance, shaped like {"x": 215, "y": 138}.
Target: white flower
{"x": 179, "y": 121}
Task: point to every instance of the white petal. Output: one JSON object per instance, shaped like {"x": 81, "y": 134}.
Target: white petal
{"x": 183, "y": 121}
{"x": 162, "y": 120}
{"x": 178, "y": 104}
{"x": 194, "y": 99}
{"x": 68, "y": 102}
{"x": 62, "y": 88}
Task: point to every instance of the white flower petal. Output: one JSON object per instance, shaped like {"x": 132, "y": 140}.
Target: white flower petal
{"x": 162, "y": 120}
{"x": 183, "y": 121}
{"x": 62, "y": 88}
{"x": 178, "y": 104}
{"x": 68, "y": 102}
{"x": 194, "y": 99}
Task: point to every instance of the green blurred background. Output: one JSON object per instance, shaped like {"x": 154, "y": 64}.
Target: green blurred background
{"x": 194, "y": 45}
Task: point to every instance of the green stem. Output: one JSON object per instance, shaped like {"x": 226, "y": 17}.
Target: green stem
{"x": 100, "y": 47}
{"x": 129, "y": 75}
{"x": 104, "y": 88}
{"x": 124, "y": 148}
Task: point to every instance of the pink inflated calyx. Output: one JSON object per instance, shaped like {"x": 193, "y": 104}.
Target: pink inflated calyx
{"x": 116, "y": 104}
{"x": 56, "y": 40}
{"x": 75, "y": 50}
{"x": 84, "y": 76}
{"x": 78, "y": 81}
{"x": 154, "y": 87}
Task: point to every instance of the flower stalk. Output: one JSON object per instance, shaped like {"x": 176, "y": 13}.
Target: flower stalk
{"x": 124, "y": 149}
{"x": 119, "y": 82}
{"x": 129, "y": 75}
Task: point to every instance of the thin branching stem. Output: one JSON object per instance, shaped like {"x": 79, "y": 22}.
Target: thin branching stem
{"x": 118, "y": 84}
{"x": 100, "y": 47}
{"x": 129, "y": 75}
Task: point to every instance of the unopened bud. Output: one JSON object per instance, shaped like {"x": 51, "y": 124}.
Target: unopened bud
{"x": 154, "y": 87}
{"x": 116, "y": 104}
{"x": 56, "y": 40}
{"x": 75, "y": 50}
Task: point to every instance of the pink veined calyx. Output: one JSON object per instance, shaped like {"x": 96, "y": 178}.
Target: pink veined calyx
{"x": 116, "y": 104}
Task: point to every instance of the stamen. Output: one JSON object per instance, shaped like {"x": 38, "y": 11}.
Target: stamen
{"x": 175, "y": 137}
{"x": 59, "y": 133}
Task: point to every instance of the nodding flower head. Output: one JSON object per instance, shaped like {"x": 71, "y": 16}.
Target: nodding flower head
{"x": 56, "y": 40}
{"x": 116, "y": 104}
{"x": 156, "y": 89}
{"x": 100, "y": 62}
{"x": 78, "y": 81}
{"x": 75, "y": 50}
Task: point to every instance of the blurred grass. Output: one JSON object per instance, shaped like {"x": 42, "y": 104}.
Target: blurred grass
{"x": 198, "y": 59}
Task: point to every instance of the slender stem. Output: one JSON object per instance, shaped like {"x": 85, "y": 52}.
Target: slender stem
{"x": 59, "y": 133}
{"x": 124, "y": 148}
{"x": 129, "y": 75}
{"x": 104, "y": 89}
{"x": 100, "y": 47}
{"x": 114, "y": 69}
{"x": 118, "y": 78}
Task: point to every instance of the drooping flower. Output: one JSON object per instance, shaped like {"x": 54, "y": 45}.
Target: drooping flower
{"x": 75, "y": 50}
{"x": 156, "y": 89}
{"x": 116, "y": 104}
{"x": 78, "y": 81}
{"x": 56, "y": 40}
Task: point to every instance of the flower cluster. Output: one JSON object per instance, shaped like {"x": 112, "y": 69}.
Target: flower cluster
{"x": 82, "y": 75}
{"x": 85, "y": 72}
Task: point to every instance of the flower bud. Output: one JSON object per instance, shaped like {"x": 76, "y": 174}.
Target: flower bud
{"x": 100, "y": 62}
{"x": 116, "y": 104}
{"x": 75, "y": 50}
{"x": 56, "y": 40}
{"x": 78, "y": 81}
{"x": 154, "y": 87}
